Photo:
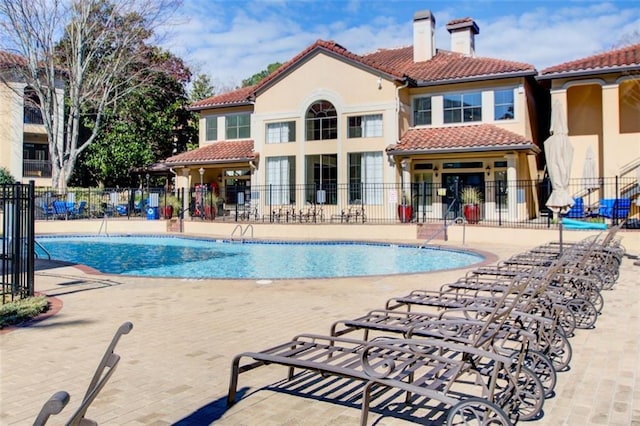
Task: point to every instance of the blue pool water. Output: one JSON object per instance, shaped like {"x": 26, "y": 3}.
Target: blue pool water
{"x": 200, "y": 258}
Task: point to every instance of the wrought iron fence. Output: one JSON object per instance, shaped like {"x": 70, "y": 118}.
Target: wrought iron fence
{"x": 18, "y": 241}
{"x": 519, "y": 204}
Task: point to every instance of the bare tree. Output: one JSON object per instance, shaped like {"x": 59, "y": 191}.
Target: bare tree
{"x": 93, "y": 46}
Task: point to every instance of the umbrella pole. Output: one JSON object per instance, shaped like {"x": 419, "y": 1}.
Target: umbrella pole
{"x": 560, "y": 228}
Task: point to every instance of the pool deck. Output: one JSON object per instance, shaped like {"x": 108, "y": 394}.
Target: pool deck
{"x": 176, "y": 361}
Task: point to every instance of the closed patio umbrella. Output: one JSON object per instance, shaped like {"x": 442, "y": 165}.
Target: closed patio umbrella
{"x": 590, "y": 173}
{"x": 559, "y": 155}
{"x": 590, "y": 170}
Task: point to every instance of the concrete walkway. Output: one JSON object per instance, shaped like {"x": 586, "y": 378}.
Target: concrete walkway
{"x": 176, "y": 361}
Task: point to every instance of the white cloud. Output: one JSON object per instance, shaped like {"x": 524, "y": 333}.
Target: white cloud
{"x": 232, "y": 40}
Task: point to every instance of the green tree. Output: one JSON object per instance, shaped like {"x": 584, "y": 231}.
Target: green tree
{"x": 148, "y": 125}
{"x": 97, "y": 58}
{"x": 201, "y": 88}
{"x": 256, "y": 78}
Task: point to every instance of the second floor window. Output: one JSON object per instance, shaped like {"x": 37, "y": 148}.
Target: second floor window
{"x": 322, "y": 121}
{"x": 462, "y": 108}
{"x": 238, "y": 126}
{"x": 281, "y": 132}
{"x": 212, "y": 128}
{"x": 365, "y": 126}
{"x": 421, "y": 111}
{"x": 503, "y": 104}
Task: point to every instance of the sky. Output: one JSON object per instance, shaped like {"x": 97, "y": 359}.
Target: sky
{"x": 230, "y": 40}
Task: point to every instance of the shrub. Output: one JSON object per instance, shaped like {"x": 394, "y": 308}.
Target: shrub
{"x": 21, "y": 310}
{"x": 6, "y": 177}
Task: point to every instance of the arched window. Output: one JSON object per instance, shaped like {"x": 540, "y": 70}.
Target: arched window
{"x": 32, "y": 113}
{"x": 322, "y": 121}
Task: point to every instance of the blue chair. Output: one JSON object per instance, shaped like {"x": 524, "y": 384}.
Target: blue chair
{"x": 60, "y": 209}
{"x": 122, "y": 209}
{"x": 615, "y": 208}
{"x": 47, "y": 211}
{"x": 577, "y": 211}
{"x": 76, "y": 212}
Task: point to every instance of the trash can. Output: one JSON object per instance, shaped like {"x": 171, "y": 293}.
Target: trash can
{"x": 153, "y": 213}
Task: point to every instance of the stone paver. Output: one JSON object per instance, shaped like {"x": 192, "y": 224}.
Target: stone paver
{"x": 176, "y": 361}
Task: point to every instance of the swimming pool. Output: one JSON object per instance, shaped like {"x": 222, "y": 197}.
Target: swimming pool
{"x": 179, "y": 257}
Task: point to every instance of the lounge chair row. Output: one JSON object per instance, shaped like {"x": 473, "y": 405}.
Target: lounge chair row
{"x": 486, "y": 348}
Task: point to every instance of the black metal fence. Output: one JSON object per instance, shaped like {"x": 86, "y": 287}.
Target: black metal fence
{"x": 501, "y": 203}
{"x": 18, "y": 241}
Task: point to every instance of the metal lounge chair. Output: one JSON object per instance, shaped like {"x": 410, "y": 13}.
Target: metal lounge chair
{"x": 471, "y": 380}
{"x": 105, "y": 370}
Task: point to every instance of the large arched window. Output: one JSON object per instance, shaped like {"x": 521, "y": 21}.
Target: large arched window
{"x": 32, "y": 113}
{"x": 322, "y": 121}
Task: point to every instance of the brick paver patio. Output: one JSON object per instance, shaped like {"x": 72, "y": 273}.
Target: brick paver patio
{"x": 176, "y": 361}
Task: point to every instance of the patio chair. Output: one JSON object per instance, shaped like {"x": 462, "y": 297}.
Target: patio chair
{"x": 518, "y": 337}
{"x": 472, "y": 294}
{"x": 78, "y": 211}
{"x": 572, "y": 288}
{"x": 462, "y": 375}
{"x": 47, "y": 211}
{"x": 577, "y": 211}
{"x": 614, "y": 208}
{"x": 105, "y": 370}
{"x": 60, "y": 209}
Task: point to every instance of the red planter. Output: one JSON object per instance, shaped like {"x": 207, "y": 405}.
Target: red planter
{"x": 166, "y": 211}
{"x": 471, "y": 212}
{"x": 209, "y": 212}
{"x": 404, "y": 213}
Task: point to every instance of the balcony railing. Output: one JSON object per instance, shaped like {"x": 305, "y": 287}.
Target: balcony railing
{"x": 36, "y": 168}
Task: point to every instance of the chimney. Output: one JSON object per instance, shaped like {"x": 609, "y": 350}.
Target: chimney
{"x": 424, "y": 41}
{"x": 463, "y": 32}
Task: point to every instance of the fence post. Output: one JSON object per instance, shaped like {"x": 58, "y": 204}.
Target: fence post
{"x": 31, "y": 245}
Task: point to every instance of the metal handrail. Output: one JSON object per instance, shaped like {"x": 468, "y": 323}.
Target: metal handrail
{"x": 103, "y": 223}
{"x": 445, "y": 226}
{"x": 242, "y": 231}
{"x": 43, "y": 249}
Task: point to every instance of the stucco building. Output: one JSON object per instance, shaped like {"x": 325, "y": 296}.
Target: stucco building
{"x": 342, "y": 126}
{"x": 600, "y": 95}
{"x": 24, "y": 145}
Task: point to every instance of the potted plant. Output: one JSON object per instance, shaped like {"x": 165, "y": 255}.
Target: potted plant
{"x": 405, "y": 211}
{"x": 210, "y": 205}
{"x": 171, "y": 204}
{"x": 471, "y": 198}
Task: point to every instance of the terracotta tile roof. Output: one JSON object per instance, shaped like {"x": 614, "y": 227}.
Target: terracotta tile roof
{"x": 472, "y": 137}
{"x": 240, "y": 96}
{"x": 216, "y": 152}
{"x": 448, "y": 66}
{"x": 11, "y": 59}
{"x": 397, "y": 64}
{"x": 624, "y": 58}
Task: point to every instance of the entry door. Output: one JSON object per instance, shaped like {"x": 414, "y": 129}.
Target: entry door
{"x": 454, "y": 182}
